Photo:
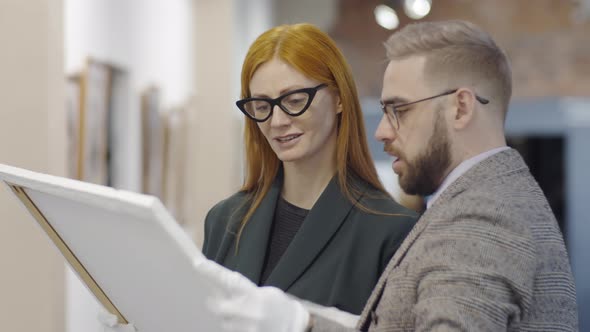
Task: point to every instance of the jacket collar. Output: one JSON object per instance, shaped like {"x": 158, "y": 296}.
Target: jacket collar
{"x": 495, "y": 166}
{"x": 321, "y": 223}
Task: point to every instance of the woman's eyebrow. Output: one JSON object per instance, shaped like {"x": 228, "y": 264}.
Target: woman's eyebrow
{"x": 282, "y": 92}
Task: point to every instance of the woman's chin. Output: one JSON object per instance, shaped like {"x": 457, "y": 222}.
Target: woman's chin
{"x": 289, "y": 156}
{"x": 288, "y": 159}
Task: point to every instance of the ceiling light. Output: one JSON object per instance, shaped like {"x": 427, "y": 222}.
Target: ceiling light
{"x": 386, "y": 17}
{"x": 417, "y": 9}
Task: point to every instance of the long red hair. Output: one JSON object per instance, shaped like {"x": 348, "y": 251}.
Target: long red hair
{"x": 313, "y": 53}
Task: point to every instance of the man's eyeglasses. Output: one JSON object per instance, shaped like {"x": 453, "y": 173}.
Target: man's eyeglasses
{"x": 293, "y": 103}
{"x": 392, "y": 110}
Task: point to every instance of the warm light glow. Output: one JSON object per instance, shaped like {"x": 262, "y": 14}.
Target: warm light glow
{"x": 417, "y": 9}
{"x": 386, "y": 17}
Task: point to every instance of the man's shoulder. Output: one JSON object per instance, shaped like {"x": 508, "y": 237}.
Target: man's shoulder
{"x": 514, "y": 189}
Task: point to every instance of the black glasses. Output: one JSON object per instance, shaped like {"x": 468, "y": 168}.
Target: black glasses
{"x": 392, "y": 110}
{"x": 294, "y": 103}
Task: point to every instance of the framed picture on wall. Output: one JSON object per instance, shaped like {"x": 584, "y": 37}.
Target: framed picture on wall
{"x": 175, "y": 151}
{"x": 95, "y": 92}
{"x": 73, "y": 125}
{"x": 121, "y": 131}
{"x": 152, "y": 142}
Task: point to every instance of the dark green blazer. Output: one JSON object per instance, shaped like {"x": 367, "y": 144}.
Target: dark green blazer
{"x": 337, "y": 255}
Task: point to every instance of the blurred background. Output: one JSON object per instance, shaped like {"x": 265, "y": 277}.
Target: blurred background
{"x": 139, "y": 95}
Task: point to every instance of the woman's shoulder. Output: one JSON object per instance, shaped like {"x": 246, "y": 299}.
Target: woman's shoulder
{"x": 380, "y": 209}
{"x": 227, "y": 206}
{"x": 220, "y": 219}
{"x": 384, "y": 203}
{"x": 226, "y": 212}
{"x": 381, "y": 221}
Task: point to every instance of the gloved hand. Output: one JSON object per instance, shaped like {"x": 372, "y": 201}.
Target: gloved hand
{"x": 242, "y": 306}
{"x": 343, "y": 318}
{"x": 109, "y": 323}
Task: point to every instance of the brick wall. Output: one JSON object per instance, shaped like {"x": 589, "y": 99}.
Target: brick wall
{"x": 549, "y": 49}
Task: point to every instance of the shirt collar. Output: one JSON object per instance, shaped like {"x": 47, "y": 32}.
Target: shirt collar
{"x": 460, "y": 170}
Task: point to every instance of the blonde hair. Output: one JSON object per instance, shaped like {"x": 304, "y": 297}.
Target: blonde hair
{"x": 314, "y": 54}
{"x": 458, "y": 53}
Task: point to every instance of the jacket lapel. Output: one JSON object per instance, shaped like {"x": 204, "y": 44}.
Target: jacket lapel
{"x": 373, "y": 300}
{"x": 254, "y": 240}
{"x": 321, "y": 223}
{"x": 505, "y": 161}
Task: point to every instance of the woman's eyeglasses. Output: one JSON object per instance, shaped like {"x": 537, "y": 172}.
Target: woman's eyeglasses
{"x": 294, "y": 103}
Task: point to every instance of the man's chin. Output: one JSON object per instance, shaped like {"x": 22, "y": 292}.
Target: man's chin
{"x": 408, "y": 188}
{"x": 415, "y": 188}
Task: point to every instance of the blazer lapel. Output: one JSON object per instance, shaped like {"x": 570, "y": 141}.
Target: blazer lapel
{"x": 254, "y": 240}
{"x": 495, "y": 165}
{"x": 373, "y": 300}
{"x": 322, "y": 222}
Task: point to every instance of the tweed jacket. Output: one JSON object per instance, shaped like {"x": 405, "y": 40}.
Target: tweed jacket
{"x": 336, "y": 257}
{"x": 486, "y": 256}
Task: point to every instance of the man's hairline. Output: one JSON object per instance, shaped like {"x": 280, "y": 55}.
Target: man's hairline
{"x": 425, "y": 57}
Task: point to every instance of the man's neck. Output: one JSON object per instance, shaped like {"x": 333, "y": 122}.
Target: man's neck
{"x": 459, "y": 170}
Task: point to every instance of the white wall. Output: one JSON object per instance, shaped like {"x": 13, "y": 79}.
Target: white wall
{"x": 153, "y": 41}
{"x": 151, "y": 38}
{"x": 32, "y": 135}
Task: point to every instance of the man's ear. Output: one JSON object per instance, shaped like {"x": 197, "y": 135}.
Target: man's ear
{"x": 465, "y": 108}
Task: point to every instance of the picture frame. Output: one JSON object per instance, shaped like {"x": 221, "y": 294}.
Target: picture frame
{"x": 94, "y": 118}
{"x": 152, "y": 143}
{"x": 175, "y": 152}
{"x": 73, "y": 126}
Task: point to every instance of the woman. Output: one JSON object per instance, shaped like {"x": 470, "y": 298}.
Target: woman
{"x": 312, "y": 217}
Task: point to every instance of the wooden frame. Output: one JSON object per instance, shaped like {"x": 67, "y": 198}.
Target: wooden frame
{"x": 66, "y": 252}
{"x": 94, "y": 119}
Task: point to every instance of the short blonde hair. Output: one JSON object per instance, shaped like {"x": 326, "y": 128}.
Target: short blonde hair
{"x": 456, "y": 53}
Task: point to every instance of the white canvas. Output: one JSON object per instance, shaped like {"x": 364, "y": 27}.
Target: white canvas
{"x": 135, "y": 251}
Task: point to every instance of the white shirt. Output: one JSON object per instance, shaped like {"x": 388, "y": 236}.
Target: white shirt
{"x": 460, "y": 170}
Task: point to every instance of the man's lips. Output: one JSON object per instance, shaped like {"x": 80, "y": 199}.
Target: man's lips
{"x": 390, "y": 151}
{"x": 396, "y": 164}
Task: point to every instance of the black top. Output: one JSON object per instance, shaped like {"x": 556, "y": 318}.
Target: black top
{"x": 287, "y": 221}
{"x": 336, "y": 257}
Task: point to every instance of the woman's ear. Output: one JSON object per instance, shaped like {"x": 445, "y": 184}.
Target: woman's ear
{"x": 338, "y": 105}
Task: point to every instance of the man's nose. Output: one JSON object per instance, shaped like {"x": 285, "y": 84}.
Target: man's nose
{"x": 385, "y": 130}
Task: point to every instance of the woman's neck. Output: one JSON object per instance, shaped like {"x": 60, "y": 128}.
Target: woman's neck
{"x": 304, "y": 181}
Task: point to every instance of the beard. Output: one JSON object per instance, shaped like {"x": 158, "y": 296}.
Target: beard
{"x": 424, "y": 173}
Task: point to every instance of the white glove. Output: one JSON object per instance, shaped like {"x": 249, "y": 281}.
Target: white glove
{"x": 343, "y": 318}
{"x": 110, "y": 323}
{"x": 242, "y": 306}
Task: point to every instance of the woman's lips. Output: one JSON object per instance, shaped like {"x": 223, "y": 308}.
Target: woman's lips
{"x": 286, "y": 141}
{"x": 286, "y": 138}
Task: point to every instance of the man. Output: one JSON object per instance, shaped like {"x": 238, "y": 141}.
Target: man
{"x": 487, "y": 255}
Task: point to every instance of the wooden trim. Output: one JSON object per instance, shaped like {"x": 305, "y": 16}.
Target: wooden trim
{"x": 67, "y": 253}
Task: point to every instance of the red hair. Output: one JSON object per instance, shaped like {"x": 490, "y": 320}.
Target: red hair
{"x": 314, "y": 54}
